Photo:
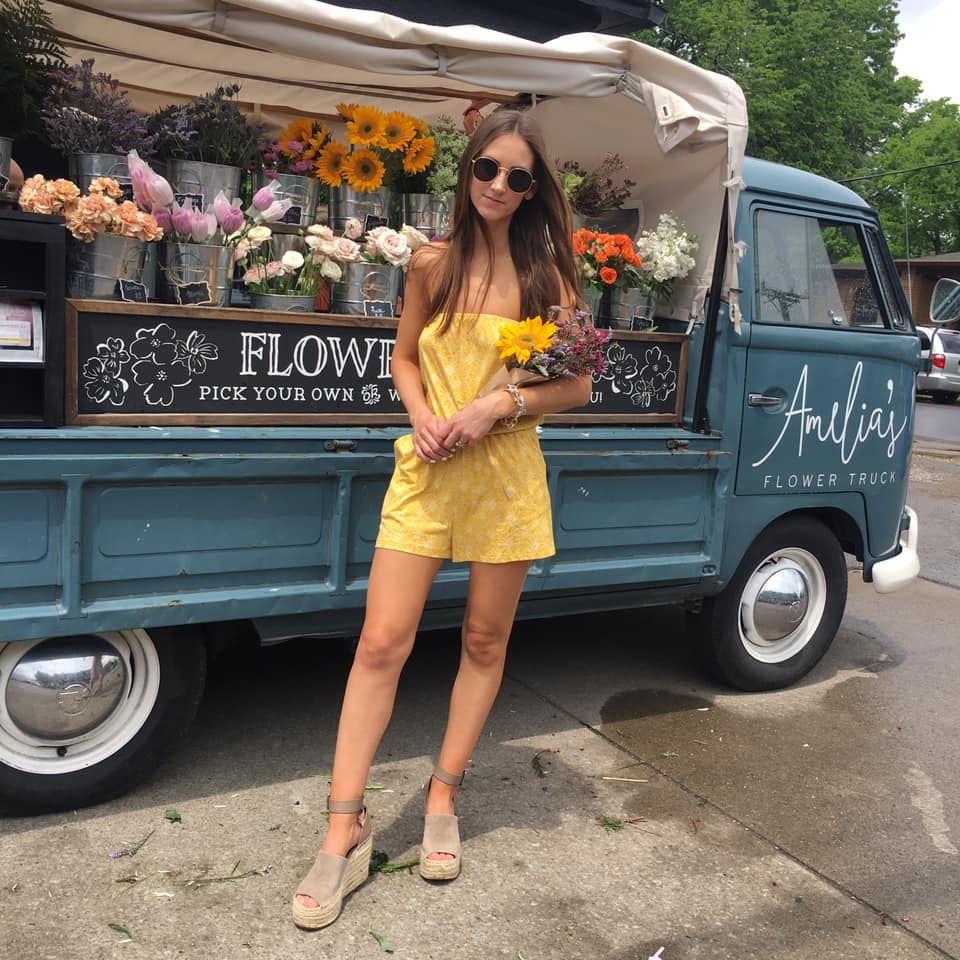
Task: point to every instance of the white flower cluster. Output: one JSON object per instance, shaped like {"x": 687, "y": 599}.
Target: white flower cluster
{"x": 382, "y": 244}
{"x": 667, "y": 252}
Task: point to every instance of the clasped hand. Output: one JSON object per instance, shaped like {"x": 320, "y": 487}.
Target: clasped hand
{"x": 435, "y": 438}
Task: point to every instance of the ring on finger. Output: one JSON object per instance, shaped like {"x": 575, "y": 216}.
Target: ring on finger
{"x": 459, "y": 443}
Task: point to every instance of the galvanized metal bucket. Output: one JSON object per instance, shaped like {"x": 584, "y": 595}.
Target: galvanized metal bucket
{"x": 303, "y": 191}
{"x": 185, "y": 266}
{"x": 628, "y": 309}
{"x": 427, "y": 213}
{"x": 626, "y": 220}
{"x": 593, "y": 297}
{"x": 367, "y": 289}
{"x": 6, "y": 151}
{"x": 86, "y": 167}
{"x": 198, "y": 183}
{"x": 289, "y": 303}
{"x": 94, "y": 268}
{"x": 346, "y": 202}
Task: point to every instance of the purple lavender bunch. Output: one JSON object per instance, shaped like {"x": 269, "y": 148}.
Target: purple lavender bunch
{"x": 592, "y": 192}
{"x": 88, "y": 112}
{"x": 577, "y": 348}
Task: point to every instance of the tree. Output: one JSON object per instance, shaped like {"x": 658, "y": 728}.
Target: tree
{"x": 822, "y": 91}
{"x": 929, "y": 135}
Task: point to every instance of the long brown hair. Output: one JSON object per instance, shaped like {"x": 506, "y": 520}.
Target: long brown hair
{"x": 541, "y": 230}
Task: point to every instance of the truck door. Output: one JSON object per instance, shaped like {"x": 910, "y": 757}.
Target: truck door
{"x": 830, "y": 368}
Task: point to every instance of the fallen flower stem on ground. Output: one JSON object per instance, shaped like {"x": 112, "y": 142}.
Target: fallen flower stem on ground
{"x": 400, "y": 865}
{"x": 199, "y": 882}
{"x": 625, "y": 779}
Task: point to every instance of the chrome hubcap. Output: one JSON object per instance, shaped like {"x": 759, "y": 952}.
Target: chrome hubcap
{"x": 782, "y": 605}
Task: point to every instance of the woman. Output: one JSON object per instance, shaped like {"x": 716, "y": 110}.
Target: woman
{"x": 469, "y": 484}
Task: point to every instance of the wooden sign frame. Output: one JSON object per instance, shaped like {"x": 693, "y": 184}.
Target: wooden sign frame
{"x": 649, "y": 372}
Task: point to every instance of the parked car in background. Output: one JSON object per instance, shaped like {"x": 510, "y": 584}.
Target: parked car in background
{"x": 939, "y": 377}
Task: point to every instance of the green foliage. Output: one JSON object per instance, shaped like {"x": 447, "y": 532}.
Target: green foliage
{"x": 30, "y": 55}
{"x": 451, "y": 141}
{"x": 928, "y": 135}
{"x": 822, "y": 91}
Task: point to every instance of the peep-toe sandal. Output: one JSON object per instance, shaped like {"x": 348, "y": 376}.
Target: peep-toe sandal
{"x": 441, "y": 834}
{"x": 331, "y": 877}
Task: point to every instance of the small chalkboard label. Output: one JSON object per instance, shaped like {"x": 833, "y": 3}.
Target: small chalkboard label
{"x": 193, "y": 293}
{"x": 126, "y": 192}
{"x": 371, "y": 222}
{"x": 4, "y": 181}
{"x": 293, "y": 215}
{"x": 189, "y": 199}
{"x": 377, "y": 308}
{"x": 132, "y": 291}
{"x": 641, "y": 323}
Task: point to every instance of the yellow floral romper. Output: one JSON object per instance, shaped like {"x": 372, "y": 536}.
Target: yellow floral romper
{"x": 489, "y": 502}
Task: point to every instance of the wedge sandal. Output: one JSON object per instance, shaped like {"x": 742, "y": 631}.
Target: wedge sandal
{"x": 441, "y": 834}
{"x": 331, "y": 877}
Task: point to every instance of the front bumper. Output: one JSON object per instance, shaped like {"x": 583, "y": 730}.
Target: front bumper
{"x": 897, "y": 571}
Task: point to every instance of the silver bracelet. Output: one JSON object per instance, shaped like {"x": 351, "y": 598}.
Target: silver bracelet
{"x": 514, "y": 391}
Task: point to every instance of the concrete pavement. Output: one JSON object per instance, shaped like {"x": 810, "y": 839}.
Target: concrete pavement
{"x": 807, "y": 823}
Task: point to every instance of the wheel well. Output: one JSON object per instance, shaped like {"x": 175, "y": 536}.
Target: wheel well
{"x": 841, "y": 524}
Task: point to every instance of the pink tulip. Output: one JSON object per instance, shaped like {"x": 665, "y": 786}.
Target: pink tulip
{"x": 150, "y": 190}
{"x": 182, "y": 218}
{"x": 265, "y": 196}
{"x": 163, "y": 218}
{"x": 204, "y": 225}
{"x": 232, "y": 220}
{"x": 276, "y": 210}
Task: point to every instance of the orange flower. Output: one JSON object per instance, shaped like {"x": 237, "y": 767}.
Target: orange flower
{"x": 364, "y": 170}
{"x": 608, "y": 275}
{"x": 367, "y": 127}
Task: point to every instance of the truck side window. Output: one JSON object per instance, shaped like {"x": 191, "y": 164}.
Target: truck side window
{"x": 814, "y": 272}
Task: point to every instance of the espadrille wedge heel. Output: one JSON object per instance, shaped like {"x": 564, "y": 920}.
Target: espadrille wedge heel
{"x": 331, "y": 877}
{"x": 441, "y": 834}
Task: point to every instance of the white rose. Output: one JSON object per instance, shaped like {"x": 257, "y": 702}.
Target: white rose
{"x": 328, "y": 247}
{"x": 292, "y": 260}
{"x": 353, "y": 229}
{"x": 257, "y": 235}
{"x": 393, "y": 247}
{"x": 379, "y": 232}
{"x": 320, "y": 230}
{"x": 331, "y": 270}
{"x": 415, "y": 238}
{"x": 346, "y": 250}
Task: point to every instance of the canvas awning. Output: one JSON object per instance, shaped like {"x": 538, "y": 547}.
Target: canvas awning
{"x": 680, "y": 129}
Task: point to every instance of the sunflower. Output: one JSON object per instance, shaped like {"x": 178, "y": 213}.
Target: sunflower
{"x": 363, "y": 170}
{"x": 330, "y": 164}
{"x": 421, "y": 126}
{"x": 419, "y": 155}
{"x": 297, "y": 131}
{"x": 317, "y": 139}
{"x": 346, "y": 110}
{"x": 520, "y": 340}
{"x": 398, "y": 131}
{"x": 366, "y": 128}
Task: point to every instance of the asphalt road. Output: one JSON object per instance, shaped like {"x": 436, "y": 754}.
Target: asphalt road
{"x": 937, "y": 422}
{"x": 820, "y": 821}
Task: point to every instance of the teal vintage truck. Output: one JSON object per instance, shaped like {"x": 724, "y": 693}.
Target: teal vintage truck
{"x": 127, "y": 550}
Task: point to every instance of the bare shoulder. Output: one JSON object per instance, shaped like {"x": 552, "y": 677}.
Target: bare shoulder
{"x": 429, "y": 255}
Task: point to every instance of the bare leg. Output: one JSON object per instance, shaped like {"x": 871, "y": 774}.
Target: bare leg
{"x": 491, "y": 606}
{"x": 398, "y": 588}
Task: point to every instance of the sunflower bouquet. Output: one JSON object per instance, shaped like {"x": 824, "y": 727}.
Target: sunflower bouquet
{"x": 535, "y": 350}
{"x": 380, "y": 148}
{"x": 296, "y": 148}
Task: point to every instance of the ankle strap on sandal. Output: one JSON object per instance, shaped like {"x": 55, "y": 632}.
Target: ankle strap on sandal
{"x": 451, "y": 779}
{"x": 344, "y": 806}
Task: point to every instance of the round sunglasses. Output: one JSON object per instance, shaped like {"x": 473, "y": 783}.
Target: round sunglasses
{"x": 486, "y": 169}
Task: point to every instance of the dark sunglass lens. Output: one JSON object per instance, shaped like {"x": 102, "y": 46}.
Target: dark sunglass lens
{"x": 485, "y": 169}
{"x": 519, "y": 181}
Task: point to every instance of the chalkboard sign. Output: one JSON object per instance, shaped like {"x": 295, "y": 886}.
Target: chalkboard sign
{"x": 293, "y": 215}
{"x": 193, "y": 293}
{"x": 153, "y": 363}
{"x": 644, "y": 380}
{"x": 371, "y": 222}
{"x": 4, "y": 182}
{"x": 377, "y": 308}
{"x": 132, "y": 291}
{"x": 126, "y": 192}
{"x": 194, "y": 200}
